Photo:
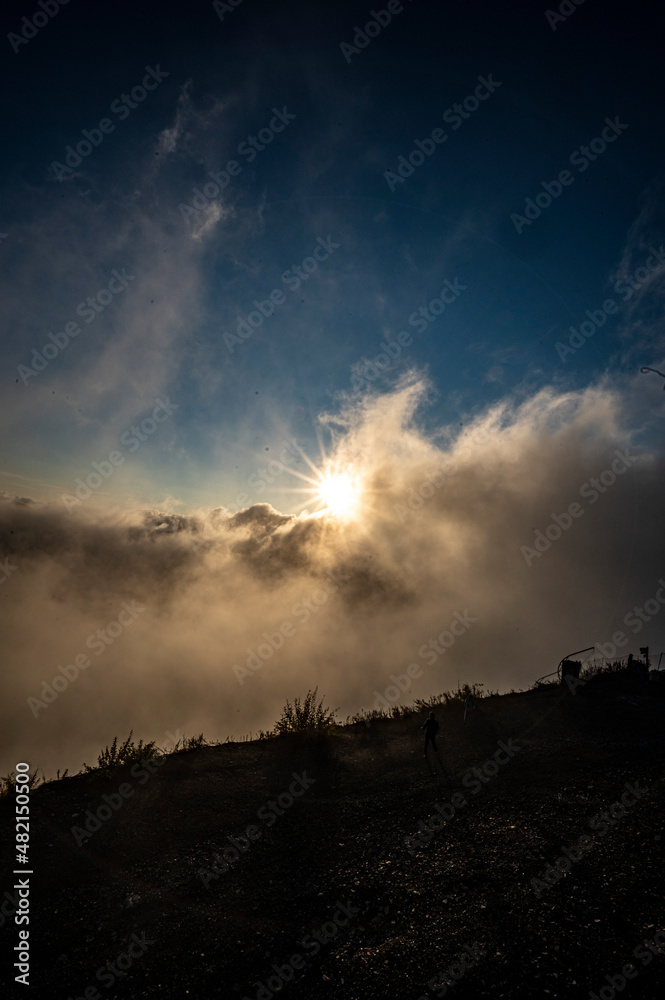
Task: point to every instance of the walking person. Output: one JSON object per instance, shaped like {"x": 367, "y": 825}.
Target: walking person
{"x": 431, "y": 728}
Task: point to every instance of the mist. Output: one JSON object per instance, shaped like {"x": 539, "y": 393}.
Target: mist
{"x": 516, "y": 538}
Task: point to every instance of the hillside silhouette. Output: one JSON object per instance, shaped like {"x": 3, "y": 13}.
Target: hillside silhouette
{"x": 376, "y": 868}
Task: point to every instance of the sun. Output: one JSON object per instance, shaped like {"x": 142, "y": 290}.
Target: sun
{"x": 339, "y": 493}
{"x": 332, "y": 486}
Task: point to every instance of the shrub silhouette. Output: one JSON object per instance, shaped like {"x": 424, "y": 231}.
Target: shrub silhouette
{"x": 306, "y": 716}
{"x": 128, "y": 753}
{"x": 8, "y": 783}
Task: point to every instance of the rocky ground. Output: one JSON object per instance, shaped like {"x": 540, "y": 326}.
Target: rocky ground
{"x": 342, "y": 887}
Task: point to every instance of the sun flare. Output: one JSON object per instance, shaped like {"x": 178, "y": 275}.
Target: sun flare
{"x": 339, "y": 493}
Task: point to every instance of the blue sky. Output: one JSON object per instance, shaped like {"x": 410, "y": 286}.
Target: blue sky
{"x": 322, "y": 176}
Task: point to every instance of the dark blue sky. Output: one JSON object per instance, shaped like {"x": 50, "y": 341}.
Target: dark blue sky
{"x": 321, "y": 177}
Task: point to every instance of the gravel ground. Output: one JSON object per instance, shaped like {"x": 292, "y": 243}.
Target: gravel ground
{"x": 337, "y": 876}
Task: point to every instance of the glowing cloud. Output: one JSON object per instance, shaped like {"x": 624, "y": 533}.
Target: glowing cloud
{"x": 413, "y": 532}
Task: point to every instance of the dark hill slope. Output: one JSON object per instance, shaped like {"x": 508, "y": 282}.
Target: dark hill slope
{"x": 410, "y": 908}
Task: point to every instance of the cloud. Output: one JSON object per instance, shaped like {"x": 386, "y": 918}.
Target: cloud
{"x": 70, "y": 245}
{"x": 444, "y": 521}
{"x": 207, "y": 219}
{"x": 639, "y": 281}
{"x": 129, "y": 352}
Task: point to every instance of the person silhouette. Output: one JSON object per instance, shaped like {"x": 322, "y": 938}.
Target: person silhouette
{"x": 431, "y": 728}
